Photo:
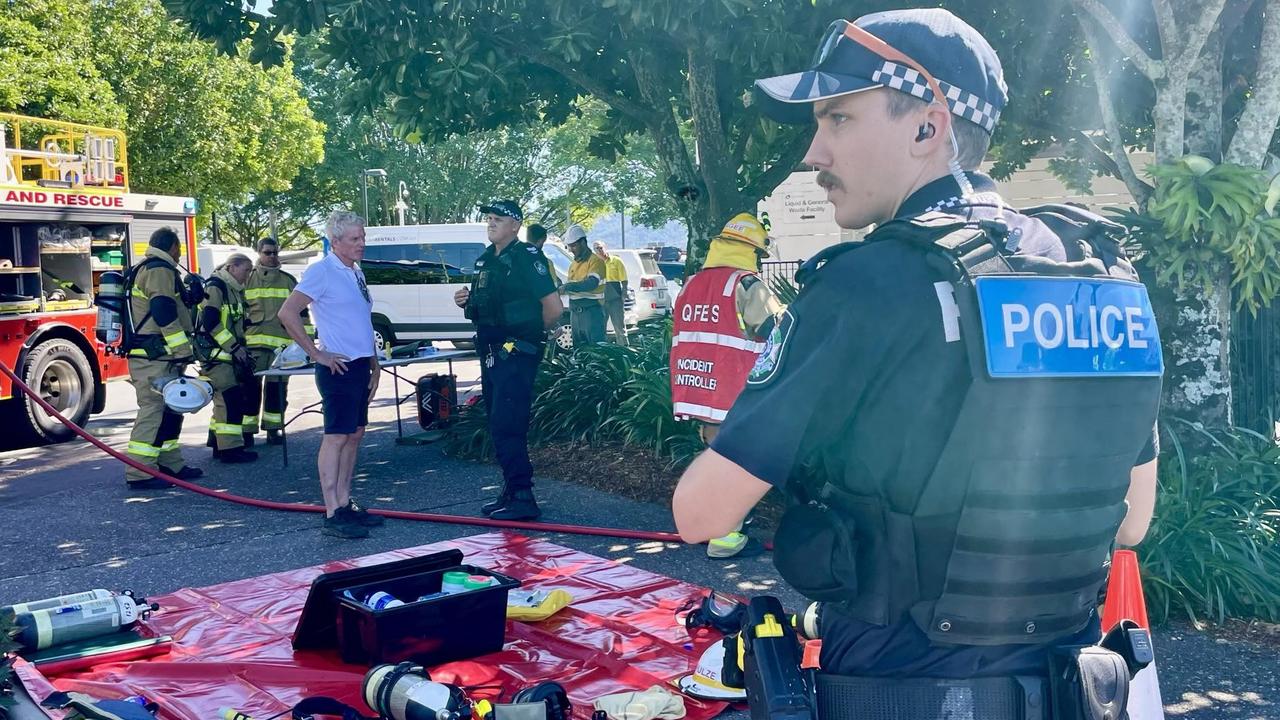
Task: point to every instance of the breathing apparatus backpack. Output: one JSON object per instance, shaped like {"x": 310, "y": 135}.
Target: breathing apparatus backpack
{"x": 189, "y": 289}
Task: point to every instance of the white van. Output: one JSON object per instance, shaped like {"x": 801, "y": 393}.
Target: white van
{"x": 413, "y": 272}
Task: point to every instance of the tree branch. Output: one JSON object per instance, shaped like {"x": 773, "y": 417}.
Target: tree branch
{"x": 1168, "y": 28}
{"x": 739, "y": 152}
{"x": 1152, "y": 69}
{"x": 1138, "y": 189}
{"x": 765, "y": 182}
{"x": 1198, "y": 33}
{"x": 637, "y": 111}
{"x": 1257, "y": 123}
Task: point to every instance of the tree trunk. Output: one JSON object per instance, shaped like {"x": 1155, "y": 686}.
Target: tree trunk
{"x": 1204, "y": 101}
{"x": 1195, "y": 327}
{"x": 1169, "y": 115}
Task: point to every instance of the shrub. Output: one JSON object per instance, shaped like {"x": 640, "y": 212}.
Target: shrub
{"x": 597, "y": 393}
{"x": 1211, "y": 552}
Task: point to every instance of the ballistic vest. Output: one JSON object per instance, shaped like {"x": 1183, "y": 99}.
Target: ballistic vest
{"x": 496, "y": 301}
{"x": 1010, "y": 540}
{"x": 710, "y": 353}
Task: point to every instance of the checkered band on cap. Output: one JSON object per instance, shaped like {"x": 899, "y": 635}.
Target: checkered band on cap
{"x": 963, "y": 103}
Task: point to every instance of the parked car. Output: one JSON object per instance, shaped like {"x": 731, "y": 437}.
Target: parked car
{"x": 652, "y": 295}
{"x": 413, "y": 272}
{"x": 669, "y": 253}
{"x": 673, "y": 272}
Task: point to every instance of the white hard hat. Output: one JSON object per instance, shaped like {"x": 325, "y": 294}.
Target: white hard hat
{"x": 574, "y": 234}
{"x": 187, "y": 395}
{"x": 290, "y": 358}
{"x": 705, "y": 682}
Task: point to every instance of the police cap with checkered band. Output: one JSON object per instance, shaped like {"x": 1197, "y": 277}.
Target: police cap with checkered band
{"x": 890, "y": 49}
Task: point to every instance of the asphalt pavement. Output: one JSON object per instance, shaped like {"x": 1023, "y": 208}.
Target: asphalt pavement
{"x": 71, "y": 524}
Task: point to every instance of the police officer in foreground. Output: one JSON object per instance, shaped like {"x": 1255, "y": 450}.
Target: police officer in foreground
{"x": 513, "y": 302}
{"x": 951, "y": 506}
{"x": 159, "y": 310}
{"x": 264, "y": 292}
{"x": 225, "y": 359}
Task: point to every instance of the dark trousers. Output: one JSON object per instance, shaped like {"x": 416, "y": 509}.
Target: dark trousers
{"x": 507, "y": 385}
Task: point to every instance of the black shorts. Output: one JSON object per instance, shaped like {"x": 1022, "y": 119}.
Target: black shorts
{"x": 345, "y": 396}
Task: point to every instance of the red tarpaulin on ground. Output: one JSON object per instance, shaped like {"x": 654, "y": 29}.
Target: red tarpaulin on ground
{"x": 232, "y": 642}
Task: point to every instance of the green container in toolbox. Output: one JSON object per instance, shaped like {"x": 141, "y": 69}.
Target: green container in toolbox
{"x": 110, "y": 257}
{"x": 437, "y": 630}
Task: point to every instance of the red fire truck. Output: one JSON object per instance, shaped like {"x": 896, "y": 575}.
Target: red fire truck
{"x": 66, "y": 217}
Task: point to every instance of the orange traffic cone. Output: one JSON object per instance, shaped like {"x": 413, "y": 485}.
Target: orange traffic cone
{"x": 1125, "y": 601}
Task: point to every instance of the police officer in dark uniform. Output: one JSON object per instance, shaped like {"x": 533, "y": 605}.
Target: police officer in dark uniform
{"x": 513, "y": 302}
{"x": 950, "y": 505}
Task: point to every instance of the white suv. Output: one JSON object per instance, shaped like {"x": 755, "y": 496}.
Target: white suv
{"x": 413, "y": 272}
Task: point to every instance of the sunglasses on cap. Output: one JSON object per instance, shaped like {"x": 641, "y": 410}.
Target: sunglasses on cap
{"x": 841, "y": 30}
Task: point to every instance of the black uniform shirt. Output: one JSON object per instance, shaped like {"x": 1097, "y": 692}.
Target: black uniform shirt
{"x": 861, "y": 382}
{"x": 524, "y": 277}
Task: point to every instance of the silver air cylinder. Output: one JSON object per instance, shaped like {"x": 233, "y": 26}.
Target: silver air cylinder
{"x": 70, "y": 623}
{"x": 411, "y": 695}
{"x": 54, "y": 602}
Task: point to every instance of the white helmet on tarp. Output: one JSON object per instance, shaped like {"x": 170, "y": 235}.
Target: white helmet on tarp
{"x": 291, "y": 357}
{"x": 706, "y": 683}
{"x": 186, "y": 395}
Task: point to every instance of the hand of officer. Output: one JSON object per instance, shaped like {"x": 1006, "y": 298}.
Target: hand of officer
{"x": 460, "y": 298}
{"x": 373, "y": 381}
{"x": 240, "y": 356}
{"x": 337, "y": 364}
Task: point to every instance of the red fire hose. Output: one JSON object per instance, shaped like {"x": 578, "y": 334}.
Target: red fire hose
{"x": 298, "y": 507}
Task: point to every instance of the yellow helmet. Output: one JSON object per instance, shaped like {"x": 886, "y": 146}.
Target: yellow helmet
{"x": 744, "y": 228}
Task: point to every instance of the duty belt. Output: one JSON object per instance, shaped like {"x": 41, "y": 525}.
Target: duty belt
{"x": 842, "y": 697}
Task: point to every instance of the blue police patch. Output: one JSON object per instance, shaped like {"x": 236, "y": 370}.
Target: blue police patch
{"x": 775, "y": 347}
{"x": 1067, "y": 327}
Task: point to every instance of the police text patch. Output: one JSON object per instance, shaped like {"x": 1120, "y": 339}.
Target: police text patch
{"x": 1067, "y": 327}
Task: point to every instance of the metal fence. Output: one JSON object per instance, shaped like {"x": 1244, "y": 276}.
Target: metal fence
{"x": 1255, "y": 391}
{"x": 786, "y": 269}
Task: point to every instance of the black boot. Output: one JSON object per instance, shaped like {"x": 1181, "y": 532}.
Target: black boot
{"x": 503, "y": 498}
{"x": 248, "y": 439}
{"x": 521, "y": 506}
{"x": 274, "y": 437}
{"x": 237, "y": 455}
{"x": 211, "y": 442}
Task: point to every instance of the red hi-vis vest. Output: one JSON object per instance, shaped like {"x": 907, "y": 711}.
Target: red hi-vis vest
{"x": 710, "y": 358}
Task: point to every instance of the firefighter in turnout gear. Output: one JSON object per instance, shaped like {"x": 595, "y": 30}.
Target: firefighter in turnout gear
{"x": 264, "y": 292}
{"x": 159, "y": 345}
{"x": 721, "y": 315}
{"x": 225, "y": 359}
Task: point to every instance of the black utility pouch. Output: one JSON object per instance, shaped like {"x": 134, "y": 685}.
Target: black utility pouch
{"x": 1088, "y": 683}
{"x": 815, "y": 550}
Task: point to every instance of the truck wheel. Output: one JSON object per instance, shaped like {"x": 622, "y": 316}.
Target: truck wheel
{"x": 383, "y": 338}
{"x": 59, "y": 373}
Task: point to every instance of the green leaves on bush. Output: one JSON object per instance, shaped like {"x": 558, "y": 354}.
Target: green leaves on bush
{"x": 1205, "y": 217}
{"x": 1212, "y": 549}
{"x": 598, "y": 393}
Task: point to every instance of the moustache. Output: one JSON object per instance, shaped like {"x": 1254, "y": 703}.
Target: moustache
{"x": 827, "y": 181}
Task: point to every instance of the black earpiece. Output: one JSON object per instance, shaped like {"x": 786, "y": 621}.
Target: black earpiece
{"x": 926, "y": 132}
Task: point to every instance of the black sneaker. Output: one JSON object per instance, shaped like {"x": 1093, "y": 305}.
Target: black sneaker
{"x": 237, "y": 455}
{"x": 186, "y": 473}
{"x": 361, "y": 516}
{"x": 521, "y": 506}
{"x": 503, "y": 498}
{"x": 249, "y": 441}
{"x": 274, "y": 437}
{"x": 340, "y": 525}
{"x": 149, "y": 484}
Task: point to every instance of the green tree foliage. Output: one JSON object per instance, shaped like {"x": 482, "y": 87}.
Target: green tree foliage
{"x": 550, "y": 169}
{"x": 199, "y": 123}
